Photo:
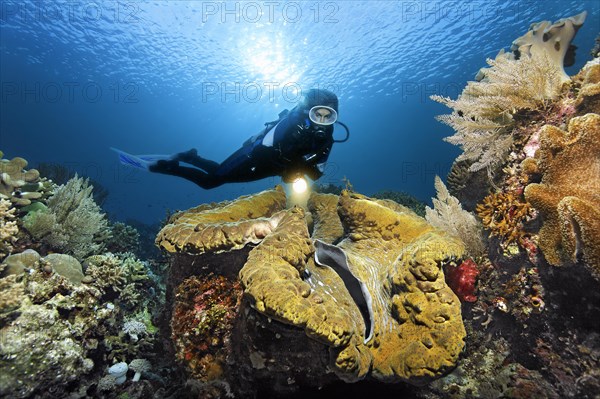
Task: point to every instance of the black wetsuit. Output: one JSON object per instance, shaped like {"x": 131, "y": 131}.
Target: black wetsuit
{"x": 286, "y": 148}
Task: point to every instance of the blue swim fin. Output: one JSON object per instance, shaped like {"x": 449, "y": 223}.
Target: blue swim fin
{"x": 142, "y": 162}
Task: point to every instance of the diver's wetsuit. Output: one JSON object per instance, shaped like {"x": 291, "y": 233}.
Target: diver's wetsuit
{"x": 289, "y": 147}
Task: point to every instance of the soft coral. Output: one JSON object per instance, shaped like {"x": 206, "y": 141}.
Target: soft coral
{"x": 462, "y": 279}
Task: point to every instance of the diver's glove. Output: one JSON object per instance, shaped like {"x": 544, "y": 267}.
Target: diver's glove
{"x": 290, "y": 177}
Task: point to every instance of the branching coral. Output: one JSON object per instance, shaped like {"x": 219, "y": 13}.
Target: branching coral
{"x": 503, "y": 214}
{"x": 449, "y": 216}
{"x": 72, "y": 223}
{"x": 8, "y": 228}
{"x": 106, "y": 271}
{"x": 124, "y": 238}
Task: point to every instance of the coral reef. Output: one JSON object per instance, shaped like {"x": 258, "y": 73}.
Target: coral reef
{"x": 21, "y": 187}
{"x": 463, "y": 279}
{"x": 397, "y": 255}
{"x": 484, "y": 113}
{"x": 73, "y": 222}
{"x": 448, "y": 215}
{"x": 65, "y": 265}
{"x": 123, "y": 238}
{"x": 203, "y": 229}
{"x": 405, "y": 199}
{"x": 202, "y": 324}
{"x": 8, "y": 228}
{"x": 588, "y": 81}
{"x": 19, "y": 263}
{"x": 568, "y": 195}
{"x": 60, "y": 174}
{"x": 546, "y": 40}
{"x": 504, "y": 214}
{"x": 44, "y": 333}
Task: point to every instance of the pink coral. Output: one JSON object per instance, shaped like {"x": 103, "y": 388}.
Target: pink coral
{"x": 463, "y": 279}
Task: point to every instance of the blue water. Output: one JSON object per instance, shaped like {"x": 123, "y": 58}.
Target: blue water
{"x": 163, "y": 77}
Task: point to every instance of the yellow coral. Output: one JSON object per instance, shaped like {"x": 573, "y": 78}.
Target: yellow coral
{"x": 417, "y": 347}
{"x": 418, "y": 331}
{"x": 588, "y": 98}
{"x": 327, "y": 225}
{"x": 15, "y": 182}
{"x": 568, "y": 197}
{"x": 222, "y": 227}
{"x": 503, "y": 214}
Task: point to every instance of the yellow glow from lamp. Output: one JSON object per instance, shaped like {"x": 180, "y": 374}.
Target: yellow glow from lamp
{"x": 299, "y": 185}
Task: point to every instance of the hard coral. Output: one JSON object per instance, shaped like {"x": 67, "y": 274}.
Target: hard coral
{"x": 18, "y": 185}
{"x": 8, "y": 228}
{"x": 568, "y": 196}
{"x": 503, "y": 214}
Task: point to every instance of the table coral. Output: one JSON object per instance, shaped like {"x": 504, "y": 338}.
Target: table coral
{"x": 20, "y": 186}
{"x": 568, "y": 196}
{"x": 418, "y": 331}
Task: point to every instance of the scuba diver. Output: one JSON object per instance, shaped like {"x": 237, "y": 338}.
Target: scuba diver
{"x": 296, "y": 144}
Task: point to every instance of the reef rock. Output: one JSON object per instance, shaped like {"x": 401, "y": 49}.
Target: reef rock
{"x": 18, "y": 263}
{"x": 568, "y": 196}
{"x": 65, "y": 265}
{"x": 374, "y": 304}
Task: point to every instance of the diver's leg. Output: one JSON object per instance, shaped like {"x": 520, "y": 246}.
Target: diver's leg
{"x": 172, "y": 167}
{"x": 193, "y": 158}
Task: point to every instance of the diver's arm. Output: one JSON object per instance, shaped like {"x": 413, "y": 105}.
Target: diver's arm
{"x": 315, "y": 171}
{"x": 315, "y": 163}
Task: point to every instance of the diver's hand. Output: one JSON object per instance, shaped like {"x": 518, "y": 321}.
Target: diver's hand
{"x": 290, "y": 177}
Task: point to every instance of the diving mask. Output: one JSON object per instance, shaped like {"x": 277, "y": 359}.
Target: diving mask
{"x": 322, "y": 115}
